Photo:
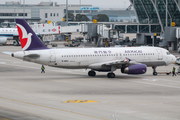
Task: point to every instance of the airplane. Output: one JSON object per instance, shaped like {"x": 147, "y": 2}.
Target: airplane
{"x": 130, "y": 60}
{"x": 7, "y": 34}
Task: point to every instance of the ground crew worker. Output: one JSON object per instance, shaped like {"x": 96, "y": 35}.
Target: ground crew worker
{"x": 173, "y": 71}
{"x": 42, "y": 69}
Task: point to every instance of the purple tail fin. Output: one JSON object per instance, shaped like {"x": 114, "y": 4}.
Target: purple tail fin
{"x": 29, "y": 40}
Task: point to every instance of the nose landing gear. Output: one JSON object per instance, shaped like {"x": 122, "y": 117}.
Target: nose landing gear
{"x": 154, "y": 71}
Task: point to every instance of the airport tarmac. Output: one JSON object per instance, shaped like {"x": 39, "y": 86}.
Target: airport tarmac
{"x": 66, "y": 94}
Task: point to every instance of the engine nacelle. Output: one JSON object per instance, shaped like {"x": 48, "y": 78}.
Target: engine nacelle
{"x": 134, "y": 69}
{"x": 3, "y": 40}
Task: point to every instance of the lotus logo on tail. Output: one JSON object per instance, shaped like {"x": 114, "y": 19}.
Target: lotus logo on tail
{"x": 24, "y": 37}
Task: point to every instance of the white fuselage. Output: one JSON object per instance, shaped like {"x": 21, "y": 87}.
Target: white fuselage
{"x": 8, "y": 32}
{"x": 93, "y": 58}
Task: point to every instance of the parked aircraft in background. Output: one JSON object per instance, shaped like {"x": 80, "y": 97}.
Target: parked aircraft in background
{"x": 130, "y": 60}
{"x": 7, "y": 33}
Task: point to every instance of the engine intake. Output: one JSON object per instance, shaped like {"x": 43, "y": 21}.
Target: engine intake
{"x": 134, "y": 69}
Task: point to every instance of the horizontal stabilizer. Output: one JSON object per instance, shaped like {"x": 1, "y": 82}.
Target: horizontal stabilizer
{"x": 7, "y": 53}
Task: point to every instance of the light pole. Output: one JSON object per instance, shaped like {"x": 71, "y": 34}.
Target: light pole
{"x": 23, "y": 8}
{"x": 166, "y": 13}
{"x": 124, "y": 4}
{"x": 14, "y": 14}
{"x": 67, "y": 12}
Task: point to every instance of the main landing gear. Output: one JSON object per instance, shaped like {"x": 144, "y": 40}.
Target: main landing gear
{"x": 154, "y": 71}
{"x": 111, "y": 75}
{"x": 92, "y": 73}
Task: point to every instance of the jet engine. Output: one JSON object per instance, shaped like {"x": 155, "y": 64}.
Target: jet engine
{"x": 3, "y": 40}
{"x": 134, "y": 69}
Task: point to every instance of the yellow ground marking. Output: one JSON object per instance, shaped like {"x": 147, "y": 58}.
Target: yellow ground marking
{"x": 52, "y": 108}
{"x": 4, "y": 118}
{"x": 79, "y": 101}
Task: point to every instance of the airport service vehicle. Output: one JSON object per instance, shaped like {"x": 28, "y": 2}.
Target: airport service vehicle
{"x": 129, "y": 60}
{"x": 178, "y": 60}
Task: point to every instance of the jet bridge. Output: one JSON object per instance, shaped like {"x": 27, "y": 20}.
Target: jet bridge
{"x": 106, "y": 35}
{"x": 46, "y": 29}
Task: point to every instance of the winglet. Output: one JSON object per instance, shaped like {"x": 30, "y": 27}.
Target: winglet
{"x": 29, "y": 40}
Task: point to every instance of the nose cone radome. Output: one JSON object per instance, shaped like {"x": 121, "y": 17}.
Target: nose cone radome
{"x": 19, "y": 55}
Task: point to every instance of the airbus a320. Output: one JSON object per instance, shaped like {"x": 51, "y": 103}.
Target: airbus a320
{"x": 130, "y": 60}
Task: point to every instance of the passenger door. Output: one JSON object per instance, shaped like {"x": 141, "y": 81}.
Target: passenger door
{"x": 160, "y": 55}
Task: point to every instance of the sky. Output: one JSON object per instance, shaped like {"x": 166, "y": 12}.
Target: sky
{"x": 95, "y": 3}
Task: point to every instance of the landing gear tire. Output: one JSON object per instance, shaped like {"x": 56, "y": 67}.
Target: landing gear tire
{"x": 92, "y": 73}
{"x": 154, "y": 73}
{"x": 111, "y": 75}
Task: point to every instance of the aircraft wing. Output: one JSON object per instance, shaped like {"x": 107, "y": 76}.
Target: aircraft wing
{"x": 115, "y": 62}
{"x": 126, "y": 61}
{"x": 119, "y": 62}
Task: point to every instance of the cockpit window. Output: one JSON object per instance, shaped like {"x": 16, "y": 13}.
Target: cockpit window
{"x": 168, "y": 53}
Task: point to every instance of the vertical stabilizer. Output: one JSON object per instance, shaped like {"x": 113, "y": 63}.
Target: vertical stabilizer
{"x": 29, "y": 40}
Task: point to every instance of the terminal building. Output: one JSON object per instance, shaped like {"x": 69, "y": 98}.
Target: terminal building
{"x": 147, "y": 20}
{"x": 117, "y": 15}
{"x": 42, "y": 12}
{"x": 152, "y": 15}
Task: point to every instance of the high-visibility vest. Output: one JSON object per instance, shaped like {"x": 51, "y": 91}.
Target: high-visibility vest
{"x": 42, "y": 67}
{"x": 174, "y": 69}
